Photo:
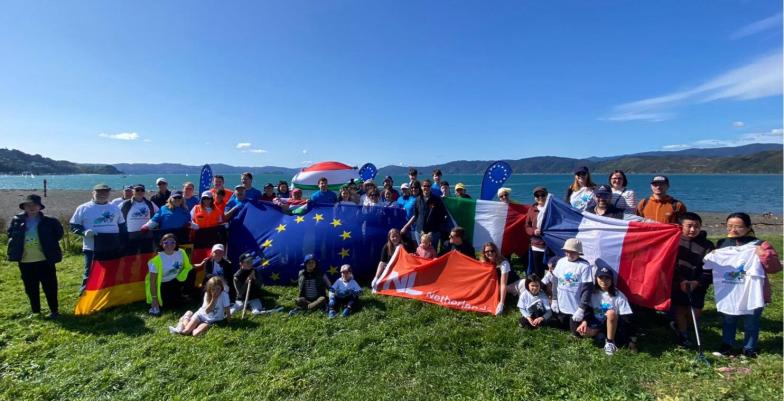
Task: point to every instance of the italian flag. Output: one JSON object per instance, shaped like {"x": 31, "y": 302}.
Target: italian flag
{"x": 336, "y": 174}
{"x": 491, "y": 221}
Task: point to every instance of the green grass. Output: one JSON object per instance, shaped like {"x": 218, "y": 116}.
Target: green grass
{"x": 392, "y": 349}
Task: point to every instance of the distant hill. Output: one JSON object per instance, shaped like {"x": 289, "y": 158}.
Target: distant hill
{"x": 13, "y": 161}
{"x": 744, "y": 150}
{"x": 173, "y": 168}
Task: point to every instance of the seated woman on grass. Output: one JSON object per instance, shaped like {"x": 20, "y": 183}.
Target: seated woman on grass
{"x": 491, "y": 254}
{"x": 611, "y": 317}
{"x": 394, "y": 238}
{"x": 215, "y": 308}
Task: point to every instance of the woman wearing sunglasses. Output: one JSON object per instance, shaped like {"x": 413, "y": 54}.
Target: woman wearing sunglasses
{"x": 580, "y": 193}
{"x": 169, "y": 274}
{"x": 491, "y": 254}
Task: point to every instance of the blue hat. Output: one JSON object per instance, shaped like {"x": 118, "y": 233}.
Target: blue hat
{"x": 176, "y": 194}
{"x": 604, "y": 272}
{"x": 308, "y": 258}
{"x": 247, "y": 257}
{"x": 603, "y": 190}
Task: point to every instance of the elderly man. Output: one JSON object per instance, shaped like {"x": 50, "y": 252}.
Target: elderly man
{"x": 97, "y": 219}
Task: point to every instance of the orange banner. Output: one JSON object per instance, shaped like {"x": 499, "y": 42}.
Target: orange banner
{"x": 453, "y": 280}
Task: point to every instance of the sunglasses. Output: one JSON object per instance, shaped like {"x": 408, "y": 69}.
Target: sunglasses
{"x": 138, "y": 190}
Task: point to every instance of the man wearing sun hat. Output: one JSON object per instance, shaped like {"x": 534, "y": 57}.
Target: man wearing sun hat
{"x": 33, "y": 241}
{"x": 660, "y": 206}
{"x": 98, "y": 219}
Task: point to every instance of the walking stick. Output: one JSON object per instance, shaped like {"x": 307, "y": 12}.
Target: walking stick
{"x": 701, "y": 353}
{"x": 247, "y": 295}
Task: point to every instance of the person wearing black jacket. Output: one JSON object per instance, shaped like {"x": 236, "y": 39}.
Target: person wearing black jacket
{"x": 312, "y": 287}
{"x": 33, "y": 241}
{"x": 457, "y": 242}
{"x": 430, "y": 213}
{"x": 688, "y": 276}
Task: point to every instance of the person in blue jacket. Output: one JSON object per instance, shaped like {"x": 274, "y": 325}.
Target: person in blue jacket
{"x": 172, "y": 217}
{"x": 324, "y": 195}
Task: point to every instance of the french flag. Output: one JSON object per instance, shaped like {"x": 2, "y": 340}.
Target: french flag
{"x": 642, "y": 254}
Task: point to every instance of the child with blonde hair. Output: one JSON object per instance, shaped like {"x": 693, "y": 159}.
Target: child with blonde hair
{"x": 425, "y": 248}
{"x": 215, "y": 308}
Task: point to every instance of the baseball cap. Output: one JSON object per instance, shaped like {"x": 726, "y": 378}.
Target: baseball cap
{"x": 604, "y": 272}
{"x": 206, "y": 194}
{"x": 459, "y": 185}
{"x": 238, "y": 186}
{"x": 161, "y": 180}
{"x": 176, "y": 194}
{"x": 128, "y": 188}
{"x": 603, "y": 190}
{"x": 139, "y": 186}
{"x": 247, "y": 257}
{"x": 659, "y": 179}
{"x": 540, "y": 189}
{"x": 582, "y": 169}
{"x": 268, "y": 185}
{"x": 101, "y": 187}
{"x": 218, "y": 247}
{"x": 404, "y": 185}
{"x": 388, "y": 178}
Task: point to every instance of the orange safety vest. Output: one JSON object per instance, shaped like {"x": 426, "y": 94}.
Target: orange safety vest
{"x": 204, "y": 219}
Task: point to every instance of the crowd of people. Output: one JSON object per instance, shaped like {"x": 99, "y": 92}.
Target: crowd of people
{"x": 567, "y": 292}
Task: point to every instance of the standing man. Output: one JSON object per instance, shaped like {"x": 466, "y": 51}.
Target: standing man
{"x": 127, "y": 194}
{"x": 436, "y": 190}
{"x": 187, "y": 193}
{"x": 445, "y": 189}
{"x": 33, "y": 241}
{"x": 412, "y": 176}
{"x": 430, "y": 213}
{"x": 160, "y": 197}
{"x": 660, "y": 206}
{"x": 217, "y": 184}
{"x": 137, "y": 211}
{"x": 251, "y": 194}
{"x": 324, "y": 195}
{"x": 97, "y": 219}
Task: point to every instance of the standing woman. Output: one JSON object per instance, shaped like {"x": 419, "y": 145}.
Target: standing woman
{"x": 171, "y": 217}
{"x": 394, "y": 238}
{"x": 740, "y": 232}
{"x": 538, "y": 247}
{"x": 205, "y": 214}
{"x": 33, "y": 242}
{"x": 491, "y": 254}
{"x": 580, "y": 193}
{"x": 622, "y": 197}
{"x": 170, "y": 272}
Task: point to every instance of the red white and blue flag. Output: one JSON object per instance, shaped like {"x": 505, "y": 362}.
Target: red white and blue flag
{"x": 642, "y": 254}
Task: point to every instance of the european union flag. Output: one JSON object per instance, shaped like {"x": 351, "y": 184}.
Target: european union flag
{"x": 495, "y": 176}
{"x": 205, "y": 178}
{"x": 335, "y": 235}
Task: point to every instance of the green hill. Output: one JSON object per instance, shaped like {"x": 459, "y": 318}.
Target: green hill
{"x": 13, "y": 161}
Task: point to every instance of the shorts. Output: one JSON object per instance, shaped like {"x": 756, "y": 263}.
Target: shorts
{"x": 681, "y": 298}
{"x": 596, "y": 323}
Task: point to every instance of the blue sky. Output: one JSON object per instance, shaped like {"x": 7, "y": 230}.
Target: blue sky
{"x": 406, "y": 82}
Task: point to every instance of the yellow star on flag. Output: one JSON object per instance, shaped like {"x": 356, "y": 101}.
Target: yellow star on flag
{"x": 280, "y": 228}
{"x": 344, "y": 252}
{"x": 346, "y": 235}
{"x": 318, "y": 217}
{"x": 266, "y": 244}
{"x": 332, "y": 270}
{"x": 335, "y": 223}
{"x": 265, "y": 262}
{"x": 299, "y": 219}
{"x": 275, "y": 276}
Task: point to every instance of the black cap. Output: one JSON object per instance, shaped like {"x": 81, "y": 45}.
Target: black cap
{"x": 268, "y": 185}
{"x": 604, "y": 272}
{"x": 388, "y": 178}
{"x": 139, "y": 186}
{"x": 128, "y": 188}
{"x": 582, "y": 169}
{"x": 247, "y": 257}
{"x": 540, "y": 189}
{"x": 176, "y": 194}
{"x": 603, "y": 190}
{"x": 32, "y": 198}
{"x": 660, "y": 179}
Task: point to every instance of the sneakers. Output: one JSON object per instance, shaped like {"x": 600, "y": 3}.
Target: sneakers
{"x": 174, "y": 330}
{"x": 155, "y": 311}
{"x": 726, "y": 350}
{"x": 256, "y": 306}
{"x": 749, "y": 353}
{"x": 610, "y": 348}
{"x": 332, "y": 313}
{"x": 237, "y": 307}
{"x": 346, "y": 312}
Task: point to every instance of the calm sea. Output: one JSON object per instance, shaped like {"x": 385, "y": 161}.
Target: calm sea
{"x": 707, "y": 193}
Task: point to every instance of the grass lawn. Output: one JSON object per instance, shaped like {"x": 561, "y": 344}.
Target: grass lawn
{"x": 392, "y": 349}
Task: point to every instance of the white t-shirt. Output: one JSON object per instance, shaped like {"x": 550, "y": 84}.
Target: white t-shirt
{"x": 504, "y": 267}
{"x": 139, "y": 214}
{"x": 172, "y": 264}
{"x": 581, "y": 198}
{"x": 117, "y": 201}
{"x": 738, "y": 279}
{"x": 345, "y": 288}
{"x": 102, "y": 219}
{"x": 624, "y": 200}
{"x": 602, "y": 301}
{"x": 528, "y": 300}
{"x": 218, "y": 311}
{"x": 569, "y": 275}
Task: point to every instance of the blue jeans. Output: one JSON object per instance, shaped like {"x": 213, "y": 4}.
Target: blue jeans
{"x": 750, "y": 330}
{"x": 336, "y": 302}
{"x": 88, "y": 264}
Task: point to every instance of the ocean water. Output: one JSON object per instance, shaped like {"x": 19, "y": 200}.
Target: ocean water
{"x": 705, "y": 193}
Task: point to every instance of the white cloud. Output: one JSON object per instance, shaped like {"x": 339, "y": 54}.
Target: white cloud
{"x": 243, "y": 145}
{"x": 760, "y": 78}
{"x": 257, "y": 151}
{"x": 772, "y": 136}
{"x": 147, "y": 140}
{"x": 774, "y": 21}
{"x": 738, "y": 124}
{"x": 122, "y": 136}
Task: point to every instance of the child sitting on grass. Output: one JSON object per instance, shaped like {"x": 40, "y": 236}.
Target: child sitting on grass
{"x": 533, "y": 303}
{"x": 312, "y": 285}
{"x": 611, "y": 314}
{"x": 247, "y": 286}
{"x": 425, "y": 248}
{"x": 344, "y": 291}
{"x": 215, "y": 308}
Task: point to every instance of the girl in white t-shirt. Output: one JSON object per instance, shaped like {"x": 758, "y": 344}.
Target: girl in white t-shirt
{"x": 580, "y": 193}
{"x": 215, "y": 308}
{"x": 491, "y": 254}
{"x": 533, "y": 304}
{"x": 610, "y": 313}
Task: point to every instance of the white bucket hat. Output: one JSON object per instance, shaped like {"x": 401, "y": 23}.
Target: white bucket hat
{"x": 574, "y": 245}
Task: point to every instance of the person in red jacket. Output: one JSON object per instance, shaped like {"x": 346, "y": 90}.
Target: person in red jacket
{"x": 538, "y": 247}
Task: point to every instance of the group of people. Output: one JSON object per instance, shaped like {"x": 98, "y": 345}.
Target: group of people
{"x": 568, "y": 292}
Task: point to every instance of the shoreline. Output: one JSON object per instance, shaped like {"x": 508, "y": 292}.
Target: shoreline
{"x": 61, "y": 203}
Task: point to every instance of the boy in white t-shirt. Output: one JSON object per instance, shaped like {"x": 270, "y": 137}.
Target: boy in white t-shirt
{"x": 344, "y": 291}
{"x": 610, "y": 314}
{"x": 572, "y": 283}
